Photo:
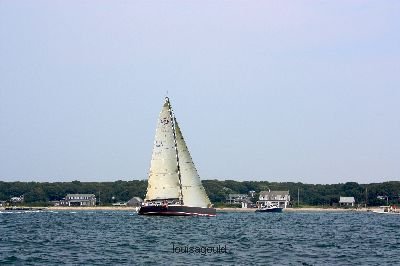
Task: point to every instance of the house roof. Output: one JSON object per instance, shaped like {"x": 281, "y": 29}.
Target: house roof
{"x": 247, "y": 201}
{"x": 347, "y": 200}
{"x": 135, "y": 200}
{"x": 274, "y": 193}
{"x": 80, "y": 195}
{"x": 237, "y": 195}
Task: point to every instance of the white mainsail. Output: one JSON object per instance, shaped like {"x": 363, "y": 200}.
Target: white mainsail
{"x": 163, "y": 175}
{"x": 192, "y": 190}
{"x": 172, "y": 172}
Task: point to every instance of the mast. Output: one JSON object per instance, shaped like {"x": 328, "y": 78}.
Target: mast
{"x": 176, "y": 148}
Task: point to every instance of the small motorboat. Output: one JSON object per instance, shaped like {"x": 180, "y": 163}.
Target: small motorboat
{"x": 269, "y": 208}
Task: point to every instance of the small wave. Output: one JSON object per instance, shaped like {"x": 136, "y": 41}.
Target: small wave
{"x": 9, "y": 259}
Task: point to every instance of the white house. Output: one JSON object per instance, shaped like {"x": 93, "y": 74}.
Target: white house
{"x": 134, "y": 202}
{"x": 347, "y": 201}
{"x": 79, "y": 200}
{"x": 17, "y": 199}
{"x": 277, "y": 198}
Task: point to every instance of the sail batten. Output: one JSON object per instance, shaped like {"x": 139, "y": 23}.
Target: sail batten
{"x": 173, "y": 174}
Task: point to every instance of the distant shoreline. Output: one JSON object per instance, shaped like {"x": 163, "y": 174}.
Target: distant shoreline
{"x": 133, "y": 209}
{"x": 96, "y": 208}
{"x": 316, "y": 209}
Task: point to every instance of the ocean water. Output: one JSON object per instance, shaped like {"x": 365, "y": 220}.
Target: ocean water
{"x": 122, "y": 237}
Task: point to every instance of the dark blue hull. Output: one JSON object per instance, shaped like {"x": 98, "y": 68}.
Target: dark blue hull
{"x": 270, "y": 210}
{"x": 176, "y": 210}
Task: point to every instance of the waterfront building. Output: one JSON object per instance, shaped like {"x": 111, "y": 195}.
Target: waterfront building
{"x": 347, "y": 201}
{"x": 280, "y": 199}
{"x": 134, "y": 202}
{"x": 19, "y": 199}
{"x": 79, "y": 200}
{"x": 236, "y": 198}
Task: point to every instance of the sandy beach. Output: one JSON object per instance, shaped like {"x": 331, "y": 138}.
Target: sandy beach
{"x": 316, "y": 209}
{"x": 97, "y": 208}
{"x": 133, "y": 209}
{"x": 122, "y": 208}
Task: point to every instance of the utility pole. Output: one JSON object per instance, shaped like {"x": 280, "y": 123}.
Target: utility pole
{"x": 298, "y": 197}
{"x": 366, "y": 197}
{"x": 99, "y": 198}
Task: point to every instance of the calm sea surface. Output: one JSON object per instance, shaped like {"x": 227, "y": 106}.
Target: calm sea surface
{"x": 121, "y": 237}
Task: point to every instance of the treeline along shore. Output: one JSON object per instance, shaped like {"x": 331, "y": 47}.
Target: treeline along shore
{"x": 42, "y": 193}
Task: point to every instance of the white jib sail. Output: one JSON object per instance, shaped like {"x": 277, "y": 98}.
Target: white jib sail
{"x": 163, "y": 180}
{"x": 192, "y": 190}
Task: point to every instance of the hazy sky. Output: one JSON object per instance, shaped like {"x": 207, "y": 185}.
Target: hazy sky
{"x": 304, "y": 91}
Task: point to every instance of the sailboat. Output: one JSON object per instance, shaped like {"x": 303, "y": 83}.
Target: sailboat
{"x": 174, "y": 186}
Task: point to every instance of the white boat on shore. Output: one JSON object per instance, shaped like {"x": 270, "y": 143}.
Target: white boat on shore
{"x": 387, "y": 210}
